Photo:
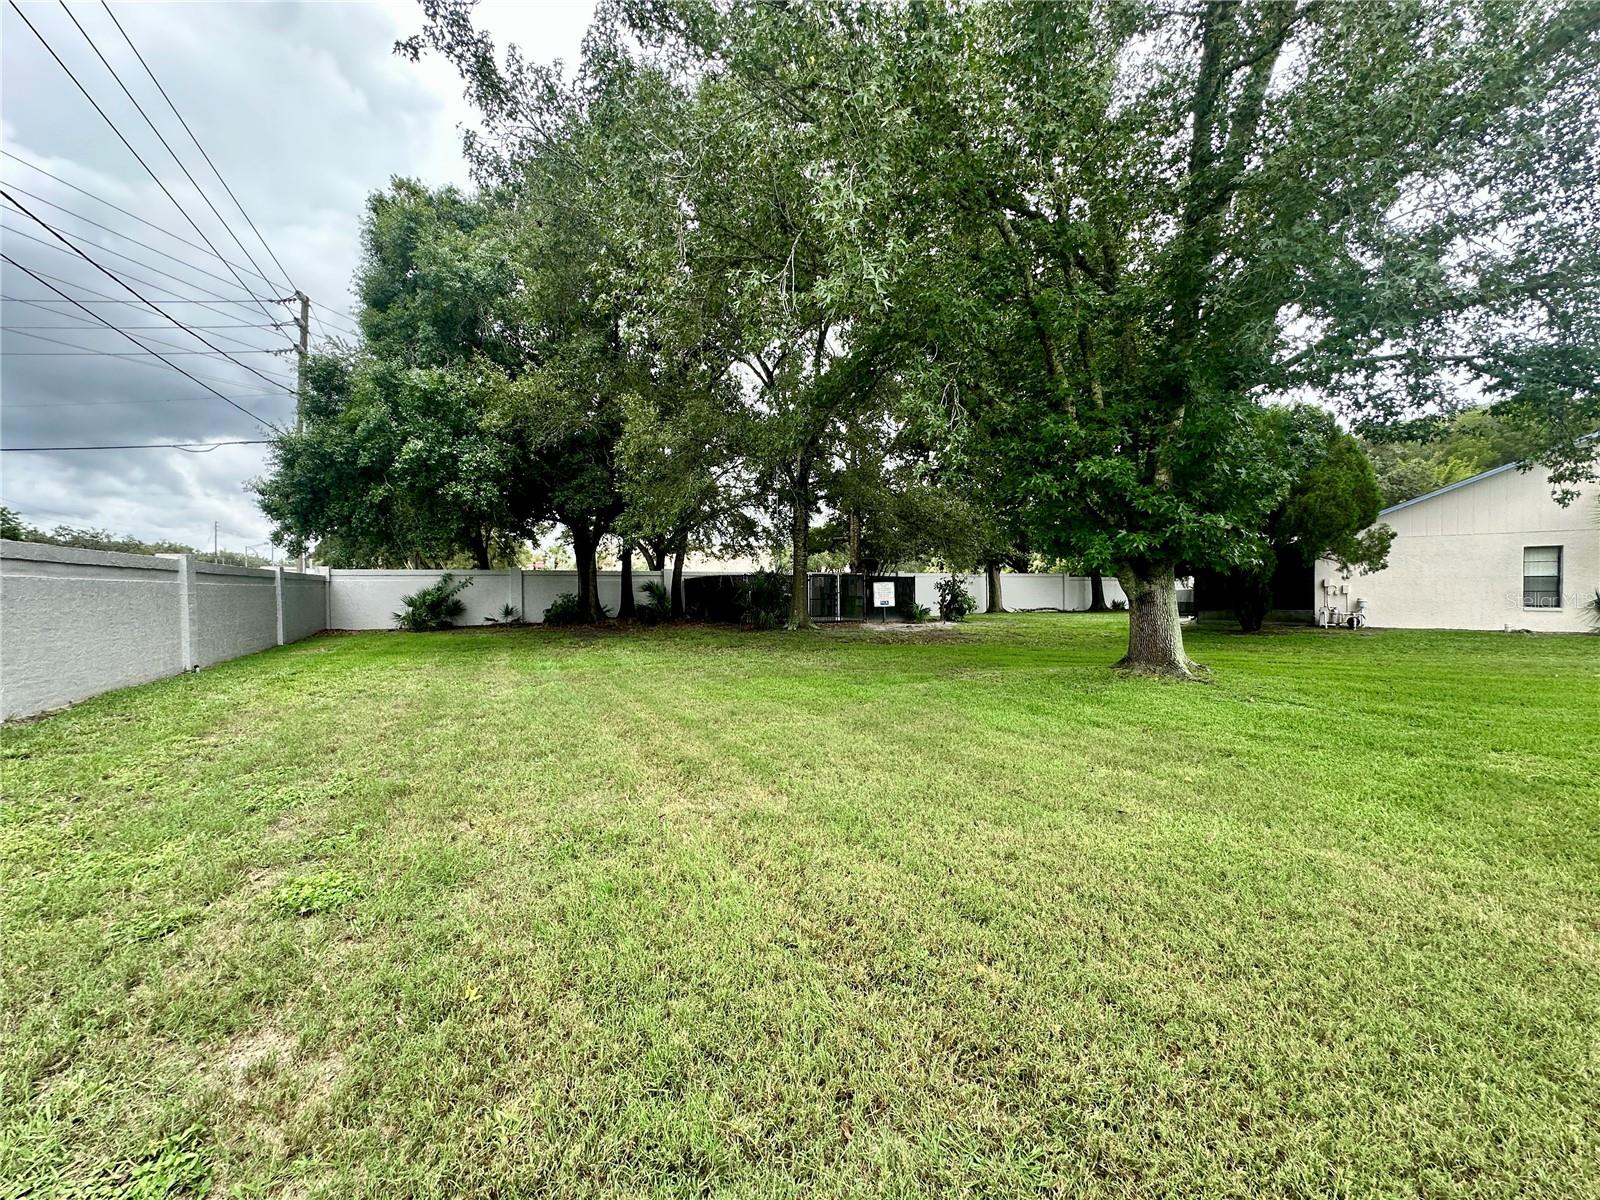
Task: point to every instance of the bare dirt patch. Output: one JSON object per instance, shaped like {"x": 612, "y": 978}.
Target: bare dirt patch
{"x": 250, "y": 1058}
{"x": 931, "y": 630}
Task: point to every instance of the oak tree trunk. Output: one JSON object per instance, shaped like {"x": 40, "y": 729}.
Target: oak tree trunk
{"x": 678, "y": 552}
{"x": 1252, "y": 600}
{"x": 583, "y": 550}
{"x": 1155, "y": 633}
{"x": 625, "y": 603}
{"x": 1097, "y": 594}
{"x": 799, "y": 546}
{"x": 992, "y": 573}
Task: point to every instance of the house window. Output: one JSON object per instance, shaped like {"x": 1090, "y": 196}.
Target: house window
{"x": 1541, "y": 577}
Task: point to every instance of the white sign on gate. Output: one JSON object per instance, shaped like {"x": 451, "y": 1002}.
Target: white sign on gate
{"x": 883, "y": 595}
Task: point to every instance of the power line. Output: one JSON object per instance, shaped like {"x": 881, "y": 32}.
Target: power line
{"x": 81, "y": 351}
{"x": 142, "y": 400}
{"x": 77, "y": 216}
{"x": 191, "y": 447}
{"x": 161, "y": 229}
{"x": 81, "y": 324}
{"x": 129, "y": 258}
{"x": 135, "y": 358}
{"x": 198, "y": 147}
{"x": 86, "y": 349}
{"x": 253, "y": 416}
{"x": 121, "y": 277}
{"x": 102, "y": 298}
{"x": 344, "y": 328}
{"x": 114, "y": 129}
{"x": 93, "y": 323}
{"x": 203, "y": 341}
{"x": 182, "y": 166}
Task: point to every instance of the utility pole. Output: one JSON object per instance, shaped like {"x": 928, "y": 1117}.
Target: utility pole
{"x": 304, "y": 322}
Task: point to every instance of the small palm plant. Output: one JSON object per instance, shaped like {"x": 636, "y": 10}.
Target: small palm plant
{"x": 434, "y": 607}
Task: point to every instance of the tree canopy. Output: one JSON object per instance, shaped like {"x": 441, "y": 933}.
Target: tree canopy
{"x": 1072, "y": 251}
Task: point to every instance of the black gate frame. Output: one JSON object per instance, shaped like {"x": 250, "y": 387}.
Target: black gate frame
{"x": 844, "y": 596}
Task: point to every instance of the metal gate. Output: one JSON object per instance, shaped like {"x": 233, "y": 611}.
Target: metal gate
{"x": 838, "y": 596}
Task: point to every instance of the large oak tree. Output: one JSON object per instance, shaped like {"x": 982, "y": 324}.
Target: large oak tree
{"x": 1130, "y": 224}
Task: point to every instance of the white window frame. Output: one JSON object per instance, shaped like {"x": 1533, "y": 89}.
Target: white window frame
{"x": 1560, "y": 582}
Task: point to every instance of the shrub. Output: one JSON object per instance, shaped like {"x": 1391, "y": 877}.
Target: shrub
{"x": 1119, "y": 606}
{"x": 433, "y": 607}
{"x": 1591, "y": 609}
{"x": 658, "y": 605}
{"x": 509, "y": 614}
{"x": 764, "y": 600}
{"x": 919, "y": 613}
{"x": 955, "y": 602}
{"x": 564, "y": 610}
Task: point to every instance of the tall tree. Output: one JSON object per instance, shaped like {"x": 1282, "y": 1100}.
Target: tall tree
{"x": 683, "y": 474}
{"x": 398, "y": 466}
{"x": 1329, "y": 509}
{"x": 759, "y": 267}
{"x": 1145, "y": 219}
{"x": 576, "y": 154}
{"x": 399, "y": 461}
{"x": 487, "y": 397}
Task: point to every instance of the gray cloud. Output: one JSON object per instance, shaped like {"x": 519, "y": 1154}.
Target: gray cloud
{"x": 305, "y": 110}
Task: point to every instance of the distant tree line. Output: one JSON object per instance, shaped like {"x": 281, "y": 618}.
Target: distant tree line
{"x": 14, "y": 528}
{"x": 975, "y": 284}
{"x": 1421, "y": 456}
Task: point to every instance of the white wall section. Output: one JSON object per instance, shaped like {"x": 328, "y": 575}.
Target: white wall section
{"x": 75, "y": 623}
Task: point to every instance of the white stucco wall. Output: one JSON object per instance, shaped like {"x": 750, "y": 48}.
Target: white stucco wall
{"x": 305, "y": 605}
{"x": 74, "y": 623}
{"x": 928, "y": 595}
{"x": 236, "y": 612}
{"x": 1456, "y": 561}
{"x": 540, "y": 588}
{"x": 369, "y": 599}
{"x": 1068, "y": 593}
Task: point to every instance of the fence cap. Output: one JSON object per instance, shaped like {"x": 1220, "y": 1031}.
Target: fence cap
{"x": 44, "y": 552}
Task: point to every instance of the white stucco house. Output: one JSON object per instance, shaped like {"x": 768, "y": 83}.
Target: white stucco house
{"x": 1491, "y": 552}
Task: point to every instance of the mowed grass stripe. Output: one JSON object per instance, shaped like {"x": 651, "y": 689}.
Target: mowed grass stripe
{"x": 692, "y": 911}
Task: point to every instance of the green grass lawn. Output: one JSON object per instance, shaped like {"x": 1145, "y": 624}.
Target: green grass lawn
{"x": 694, "y": 912}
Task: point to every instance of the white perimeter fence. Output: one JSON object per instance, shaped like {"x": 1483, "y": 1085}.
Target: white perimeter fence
{"x": 75, "y": 623}
{"x": 368, "y": 599}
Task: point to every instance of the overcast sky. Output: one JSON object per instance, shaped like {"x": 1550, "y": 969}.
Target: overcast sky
{"x": 305, "y": 109}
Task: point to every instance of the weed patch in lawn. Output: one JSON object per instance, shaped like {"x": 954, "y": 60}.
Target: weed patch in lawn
{"x": 321, "y": 892}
